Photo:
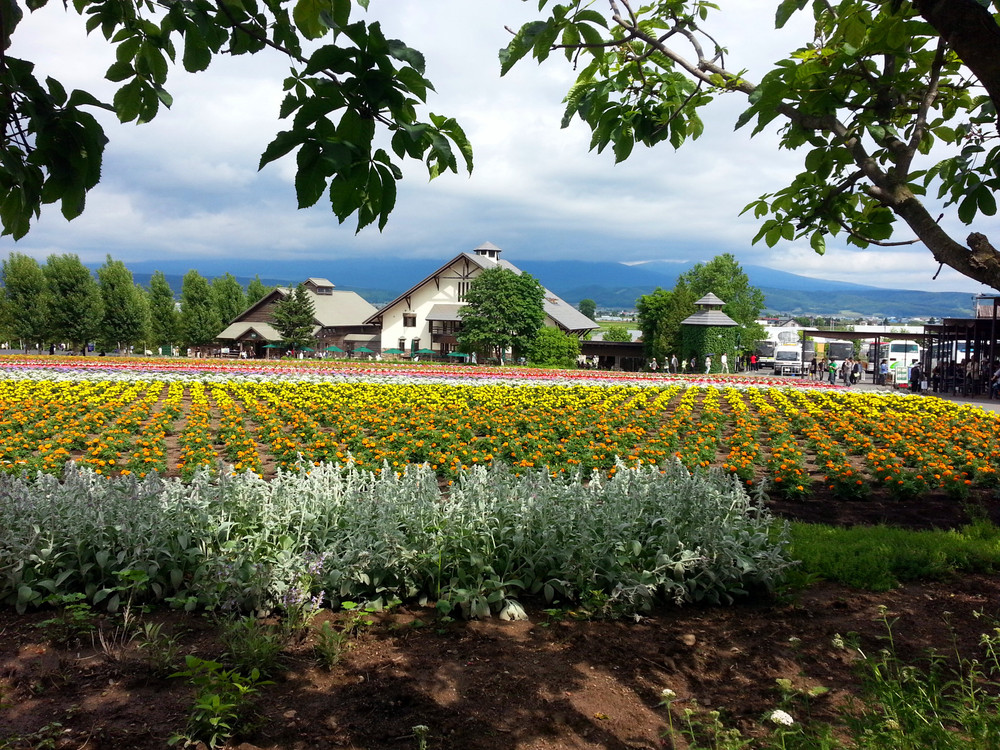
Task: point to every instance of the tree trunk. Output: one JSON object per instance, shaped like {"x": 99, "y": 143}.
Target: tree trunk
{"x": 971, "y": 31}
{"x": 979, "y": 261}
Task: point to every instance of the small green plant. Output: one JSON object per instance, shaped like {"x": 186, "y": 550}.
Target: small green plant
{"x": 359, "y": 617}
{"x": 330, "y": 644}
{"x": 75, "y": 620}
{"x": 46, "y": 738}
{"x": 221, "y": 704}
{"x": 252, "y": 645}
{"x": 161, "y": 648}
{"x": 420, "y": 734}
{"x": 942, "y": 704}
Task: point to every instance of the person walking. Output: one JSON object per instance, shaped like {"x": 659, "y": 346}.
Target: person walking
{"x": 832, "y": 368}
{"x": 673, "y": 363}
{"x": 724, "y": 360}
{"x": 708, "y": 365}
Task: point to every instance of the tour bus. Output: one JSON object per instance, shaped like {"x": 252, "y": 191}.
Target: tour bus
{"x": 765, "y": 353}
{"x": 902, "y": 355}
{"x": 951, "y": 351}
{"x": 839, "y": 350}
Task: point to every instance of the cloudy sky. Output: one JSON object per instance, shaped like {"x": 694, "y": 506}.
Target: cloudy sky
{"x": 186, "y": 185}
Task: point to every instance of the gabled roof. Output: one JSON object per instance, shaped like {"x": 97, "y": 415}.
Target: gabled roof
{"x": 564, "y": 314}
{"x": 341, "y": 308}
{"x": 266, "y": 331}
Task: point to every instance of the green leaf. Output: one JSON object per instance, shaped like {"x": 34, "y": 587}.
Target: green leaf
{"x": 967, "y": 208}
{"x": 818, "y": 243}
{"x": 410, "y": 56}
{"x": 310, "y": 179}
{"x": 56, "y": 91}
{"x": 197, "y": 54}
{"x": 785, "y": 10}
{"x": 80, "y": 98}
{"x": 120, "y": 71}
{"x": 986, "y": 201}
{"x": 308, "y": 17}
{"x": 128, "y": 101}
{"x": 520, "y": 45}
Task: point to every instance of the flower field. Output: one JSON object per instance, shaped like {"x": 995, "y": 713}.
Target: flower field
{"x": 136, "y": 417}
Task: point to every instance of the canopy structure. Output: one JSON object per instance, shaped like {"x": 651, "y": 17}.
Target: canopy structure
{"x": 332, "y": 348}
{"x": 363, "y": 350}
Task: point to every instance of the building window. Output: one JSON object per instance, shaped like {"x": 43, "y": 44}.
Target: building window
{"x": 402, "y": 345}
{"x": 463, "y": 289}
{"x": 409, "y": 320}
{"x": 414, "y": 345}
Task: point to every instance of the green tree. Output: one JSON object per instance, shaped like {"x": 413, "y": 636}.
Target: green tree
{"x": 228, "y": 298}
{"x": 553, "y": 348}
{"x": 125, "y": 313}
{"x": 617, "y": 333}
{"x": 257, "y": 290}
{"x": 349, "y": 90}
{"x": 75, "y": 308}
{"x": 588, "y": 307}
{"x": 725, "y": 278}
{"x": 660, "y": 316}
{"x": 199, "y": 320}
{"x": 866, "y": 98}
{"x": 163, "y": 314}
{"x": 26, "y": 299}
{"x": 295, "y": 319}
{"x": 504, "y": 312}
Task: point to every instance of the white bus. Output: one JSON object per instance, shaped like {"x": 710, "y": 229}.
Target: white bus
{"x": 901, "y": 355}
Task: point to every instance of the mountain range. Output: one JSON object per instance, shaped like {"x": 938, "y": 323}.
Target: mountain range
{"x": 611, "y": 285}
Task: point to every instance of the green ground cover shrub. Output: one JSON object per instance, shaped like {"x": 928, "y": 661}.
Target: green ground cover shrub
{"x": 244, "y": 544}
{"x": 879, "y": 558}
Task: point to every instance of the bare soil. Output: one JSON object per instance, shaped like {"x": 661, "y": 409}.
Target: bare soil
{"x": 552, "y": 682}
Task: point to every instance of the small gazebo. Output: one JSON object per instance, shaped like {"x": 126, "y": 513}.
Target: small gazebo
{"x": 709, "y": 332}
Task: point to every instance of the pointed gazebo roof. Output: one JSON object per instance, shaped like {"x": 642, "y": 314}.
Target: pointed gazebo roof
{"x": 709, "y": 313}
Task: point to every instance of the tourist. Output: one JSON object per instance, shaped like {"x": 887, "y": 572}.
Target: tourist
{"x": 916, "y": 375}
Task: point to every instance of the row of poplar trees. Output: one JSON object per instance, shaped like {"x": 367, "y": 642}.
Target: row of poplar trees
{"x": 61, "y": 303}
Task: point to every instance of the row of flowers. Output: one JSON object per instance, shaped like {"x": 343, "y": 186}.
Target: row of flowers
{"x": 796, "y": 440}
{"x": 349, "y": 370}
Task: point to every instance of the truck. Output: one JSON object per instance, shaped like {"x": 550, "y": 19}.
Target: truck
{"x": 788, "y": 360}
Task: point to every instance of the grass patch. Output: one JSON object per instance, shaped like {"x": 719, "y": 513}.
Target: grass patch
{"x": 878, "y": 558}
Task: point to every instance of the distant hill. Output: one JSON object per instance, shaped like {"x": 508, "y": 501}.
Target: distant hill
{"x": 611, "y": 285}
